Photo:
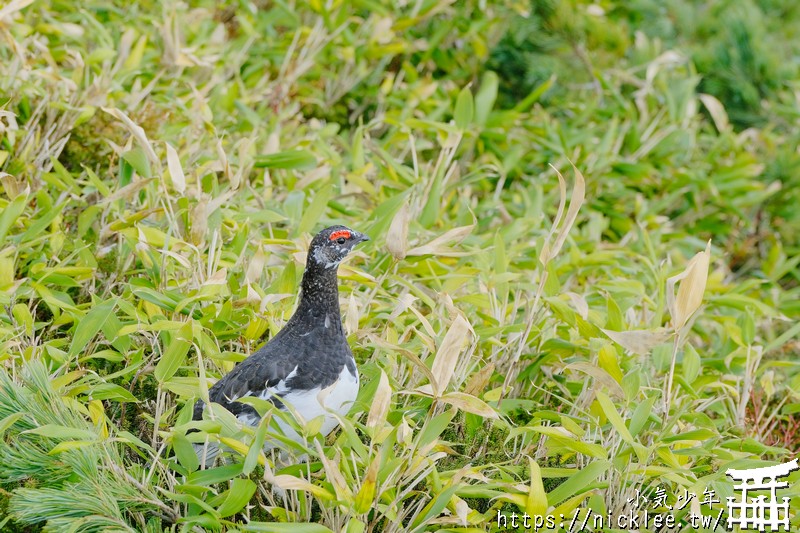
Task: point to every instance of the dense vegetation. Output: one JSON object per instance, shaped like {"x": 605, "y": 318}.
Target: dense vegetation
{"x": 532, "y": 336}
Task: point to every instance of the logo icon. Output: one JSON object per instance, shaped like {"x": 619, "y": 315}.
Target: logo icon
{"x": 758, "y": 513}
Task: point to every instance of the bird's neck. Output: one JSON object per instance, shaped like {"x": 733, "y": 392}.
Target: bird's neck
{"x": 319, "y": 297}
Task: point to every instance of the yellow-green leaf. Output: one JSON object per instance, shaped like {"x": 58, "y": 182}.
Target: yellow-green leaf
{"x": 238, "y": 496}
{"x": 537, "y": 497}
{"x": 470, "y": 404}
{"x": 465, "y": 108}
{"x": 366, "y": 494}
{"x": 10, "y": 214}
{"x": 290, "y": 159}
{"x": 175, "y": 354}
{"x": 613, "y": 416}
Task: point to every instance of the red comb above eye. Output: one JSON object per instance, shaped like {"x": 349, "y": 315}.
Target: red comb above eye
{"x": 340, "y": 233}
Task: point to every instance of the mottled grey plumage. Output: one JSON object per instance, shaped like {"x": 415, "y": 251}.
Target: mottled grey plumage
{"x": 310, "y": 353}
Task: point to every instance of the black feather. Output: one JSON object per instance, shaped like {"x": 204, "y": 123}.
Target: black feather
{"x": 312, "y": 347}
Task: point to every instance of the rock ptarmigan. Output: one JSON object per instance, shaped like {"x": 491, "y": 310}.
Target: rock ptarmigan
{"x": 308, "y": 364}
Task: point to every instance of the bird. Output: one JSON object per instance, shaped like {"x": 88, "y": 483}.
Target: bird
{"x": 308, "y": 364}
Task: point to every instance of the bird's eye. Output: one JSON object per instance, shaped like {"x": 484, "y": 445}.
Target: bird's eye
{"x": 341, "y": 240}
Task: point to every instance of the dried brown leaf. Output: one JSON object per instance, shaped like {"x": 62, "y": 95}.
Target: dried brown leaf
{"x": 380, "y": 403}
{"x": 351, "y": 317}
{"x": 440, "y": 245}
{"x": 220, "y": 277}
{"x": 601, "y": 377}
{"x": 126, "y": 191}
{"x": 137, "y": 131}
{"x": 11, "y": 186}
{"x": 175, "y": 170}
{"x": 690, "y": 292}
{"x": 477, "y": 383}
{"x": 12, "y": 7}
{"x": 469, "y": 404}
{"x": 256, "y": 266}
{"x": 638, "y": 341}
{"x": 444, "y": 364}
{"x": 334, "y": 475}
{"x": 575, "y": 203}
{"x": 397, "y": 236}
{"x": 716, "y": 110}
{"x": 226, "y": 167}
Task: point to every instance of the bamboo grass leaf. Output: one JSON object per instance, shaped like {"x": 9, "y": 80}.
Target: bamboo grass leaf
{"x": 238, "y": 496}
{"x": 465, "y": 108}
{"x": 287, "y": 160}
{"x": 90, "y": 325}
{"x": 175, "y": 354}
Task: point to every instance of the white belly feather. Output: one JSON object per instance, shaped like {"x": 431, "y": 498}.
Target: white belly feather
{"x": 330, "y": 402}
{"x": 337, "y": 398}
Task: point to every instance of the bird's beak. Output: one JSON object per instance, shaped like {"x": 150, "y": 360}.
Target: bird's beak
{"x": 360, "y": 237}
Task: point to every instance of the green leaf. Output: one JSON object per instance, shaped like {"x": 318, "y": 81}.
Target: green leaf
{"x": 357, "y": 151}
{"x": 23, "y": 316}
{"x": 537, "y": 498}
{"x": 70, "y": 445}
{"x": 10, "y": 213}
{"x": 500, "y": 265}
{"x": 608, "y": 360}
{"x": 465, "y": 108}
{"x": 90, "y": 324}
{"x": 137, "y": 158}
{"x": 277, "y": 527}
{"x": 577, "y": 482}
{"x": 784, "y": 337}
{"x": 433, "y": 509}
{"x": 690, "y": 364}
{"x": 614, "y": 322}
{"x": 165, "y": 302}
{"x": 125, "y": 173}
{"x": 212, "y": 476}
{"x": 485, "y": 97}
{"x": 748, "y": 326}
{"x": 131, "y": 439}
{"x": 534, "y": 96}
{"x": 260, "y": 436}
{"x": 238, "y": 496}
{"x": 354, "y": 525}
{"x": 61, "y": 171}
{"x": 110, "y": 391}
{"x": 9, "y": 421}
{"x": 365, "y": 498}
{"x": 613, "y": 416}
{"x": 587, "y": 448}
{"x": 40, "y": 224}
{"x": 641, "y": 414}
{"x": 692, "y": 435}
{"x": 191, "y": 499}
{"x": 316, "y": 210}
{"x": 55, "y": 431}
{"x": 108, "y": 355}
{"x": 175, "y": 354}
{"x": 289, "y": 159}
{"x": 435, "y": 427}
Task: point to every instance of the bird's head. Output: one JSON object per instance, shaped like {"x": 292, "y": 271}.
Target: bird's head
{"x": 332, "y": 244}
